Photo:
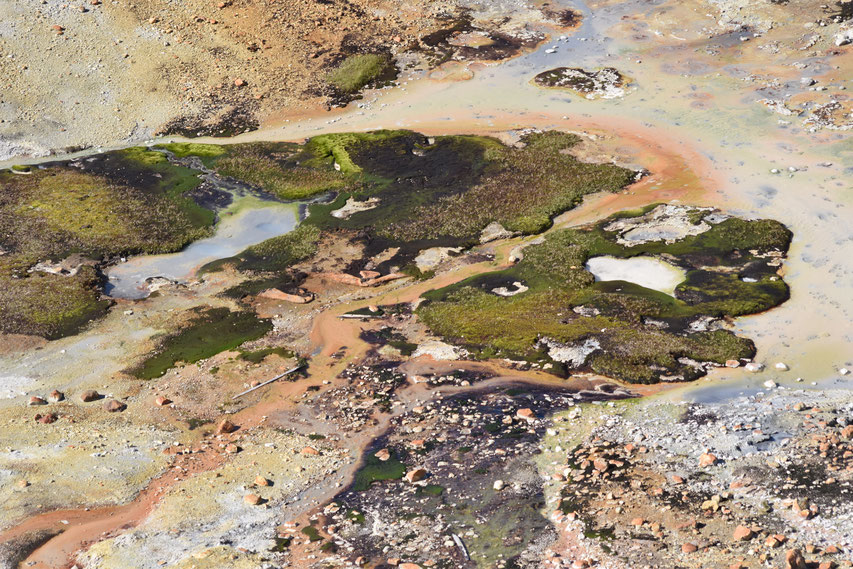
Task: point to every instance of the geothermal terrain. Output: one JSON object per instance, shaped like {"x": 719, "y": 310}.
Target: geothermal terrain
{"x": 458, "y": 284}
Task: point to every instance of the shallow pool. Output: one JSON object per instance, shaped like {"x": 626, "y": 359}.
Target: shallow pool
{"x": 248, "y": 221}
{"x": 647, "y": 272}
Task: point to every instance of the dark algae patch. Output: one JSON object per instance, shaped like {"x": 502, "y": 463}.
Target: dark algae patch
{"x": 63, "y": 220}
{"x": 207, "y": 333}
{"x": 567, "y": 320}
{"x": 419, "y": 519}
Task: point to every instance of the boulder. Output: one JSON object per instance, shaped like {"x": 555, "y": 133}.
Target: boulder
{"x": 46, "y": 419}
{"x": 843, "y": 37}
{"x": 493, "y": 232}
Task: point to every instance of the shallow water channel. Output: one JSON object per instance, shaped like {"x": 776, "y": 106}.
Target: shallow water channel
{"x": 249, "y": 220}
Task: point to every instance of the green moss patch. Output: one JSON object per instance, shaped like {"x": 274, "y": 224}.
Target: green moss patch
{"x": 47, "y": 305}
{"x": 375, "y": 470}
{"x": 209, "y": 332}
{"x": 357, "y": 71}
{"x": 283, "y": 169}
{"x": 257, "y": 356}
{"x": 621, "y": 329}
{"x": 123, "y": 202}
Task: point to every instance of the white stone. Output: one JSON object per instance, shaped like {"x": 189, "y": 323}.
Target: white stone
{"x": 781, "y": 366}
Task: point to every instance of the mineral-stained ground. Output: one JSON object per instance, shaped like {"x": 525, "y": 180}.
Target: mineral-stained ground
{"x": 509, "y": 326}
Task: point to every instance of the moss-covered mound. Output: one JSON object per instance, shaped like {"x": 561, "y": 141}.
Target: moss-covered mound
{"x": 567, "y": 320}
{"x": 444, "y": 191}
{"x": 406, "y": 190}
{"x": 119, "y": 203}
{"x": 283, "y": 169}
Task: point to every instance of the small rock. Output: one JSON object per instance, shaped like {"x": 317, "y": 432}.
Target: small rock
{"x": 732, "y": 363}
{"x": 688, "y": 548}
{"x": 707, "y": 459}
{"x": 844, "y": 371}
{"x": 770, "y": 384}
{"x": 498, "y": 485}
{"x": 754, "y": 367}
{"x": 261, "y": 481}
{"x": 232, "y": 448}
{"x": 252, "y": 499}
{"x": 310, "y": 451}
{"x": 794, "y": 559}
{"x": 416, "y": 475}
{"x": 781, "y": 366}
{"x": 382, "y": 454}
{"x": 742, "y": 533}
{"x": 239, "y": 83}
{"x": 23, "y": 483}
{"x": 46, "y": 419}
{"x": 526, "y": 414}
{"x": 115, "y": 406}
{"x": 90, "y": 395}
{"x": 35, "y": 400}
{"x": 226, "y": 427}
{"x": 55, "y": 396}
{"x": 162, "y": 400}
